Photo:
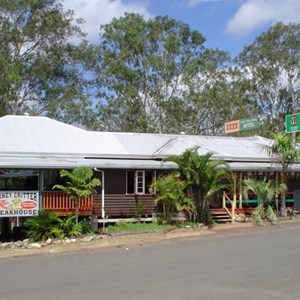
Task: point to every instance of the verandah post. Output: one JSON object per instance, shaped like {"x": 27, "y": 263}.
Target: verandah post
{"x": 234, "y": 196}
{"x": 241, "y": 191}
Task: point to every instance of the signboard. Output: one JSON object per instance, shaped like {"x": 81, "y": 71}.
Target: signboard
{"x": 19, "y": 203}
{"x": 232, "y": 126}
{"x": 241, "y": 125}
{"x": 248, "y": 124}
{"x": 292, "y": 123}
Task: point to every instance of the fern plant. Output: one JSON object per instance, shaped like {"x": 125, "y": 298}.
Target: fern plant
{"x": 70, "y": 227}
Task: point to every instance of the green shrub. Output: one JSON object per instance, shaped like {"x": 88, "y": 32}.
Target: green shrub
{"x": 43, "y": 226}
{"x": 261, "y": 213}
{"x": 48, "y": 225}
{"x": 271, "y": 215}
{"x": 69, "y": 226}
{"x": 258, "y": 215}
{"x": 85, "y": 227}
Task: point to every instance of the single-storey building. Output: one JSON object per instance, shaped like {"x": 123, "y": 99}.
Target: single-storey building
{"x": 34, "y": 149}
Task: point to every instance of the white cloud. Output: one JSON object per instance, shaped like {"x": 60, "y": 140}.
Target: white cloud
{"x": 254, "y": 13}
{"x": 98, "y": 12}
{"x": 192, "y": 3}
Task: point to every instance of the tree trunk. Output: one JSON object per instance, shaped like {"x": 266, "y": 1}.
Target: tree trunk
{"x": 198, "y": 206}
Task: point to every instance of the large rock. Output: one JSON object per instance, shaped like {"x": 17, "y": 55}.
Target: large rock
{"x": 34, "y": 246}
{"x": 88, "y": 238}
{"x": 240, "y": 218}
{"x": 6, "y": 245}
{"x": 49, "y": 241}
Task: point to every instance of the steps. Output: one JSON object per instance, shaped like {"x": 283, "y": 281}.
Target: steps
{"x": 220, "y": 215}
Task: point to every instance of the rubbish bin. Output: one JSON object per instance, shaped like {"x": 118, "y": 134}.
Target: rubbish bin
{"x": 94, "y": 223}
{"x": 296, "y": 196}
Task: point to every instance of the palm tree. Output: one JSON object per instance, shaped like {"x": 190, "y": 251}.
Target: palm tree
{"x": 79, "y": 185}
{"x": 265, "y": 190}
{"x": 285, "y": 152}
{"x": 203, "y": 177}
{"x": 170, "y": 193}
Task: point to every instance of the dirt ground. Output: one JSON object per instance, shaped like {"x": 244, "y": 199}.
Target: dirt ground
{"x": 127, "y": 240}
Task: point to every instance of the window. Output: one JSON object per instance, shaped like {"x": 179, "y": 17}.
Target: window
{"x": 19, "y": 180}
{"x": 138, "y": 182}
{"x": 51, "y": 178}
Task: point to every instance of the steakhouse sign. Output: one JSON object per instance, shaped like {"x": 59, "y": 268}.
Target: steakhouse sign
{"x": 241, "y": 125}
{"x": 19, "y": 203}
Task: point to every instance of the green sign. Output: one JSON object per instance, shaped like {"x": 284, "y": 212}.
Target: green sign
{"x": 248, "y": 124}
{"x": 292, "y": 123}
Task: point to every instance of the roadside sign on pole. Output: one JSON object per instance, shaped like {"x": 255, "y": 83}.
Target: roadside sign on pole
{"x": 241, "y": 125}
{"x": 232, "y": 126}
{"x": 292, "y": 123}
{"x": 248, "y": 124}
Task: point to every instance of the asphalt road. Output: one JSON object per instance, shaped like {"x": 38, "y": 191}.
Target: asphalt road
{"x": 259, "y": 263}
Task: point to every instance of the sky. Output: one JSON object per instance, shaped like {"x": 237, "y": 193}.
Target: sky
{"x": 229, "y": 25}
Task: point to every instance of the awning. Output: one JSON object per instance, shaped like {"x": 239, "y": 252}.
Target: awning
{"x": 254, "y": 166}
{"x": 70, "y": 163}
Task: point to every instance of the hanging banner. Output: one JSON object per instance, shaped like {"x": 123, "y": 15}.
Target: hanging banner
{"x": 19, "y": 203}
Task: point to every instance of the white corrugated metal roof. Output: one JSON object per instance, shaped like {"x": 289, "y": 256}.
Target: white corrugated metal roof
{"x": 45, "y": 139}
{"x": 33, "y": 135}
{"x": 41, "y": 135}
{"x": 229, "y": 148}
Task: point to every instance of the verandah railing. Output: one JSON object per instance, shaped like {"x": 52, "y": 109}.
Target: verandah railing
{"x": 230, "y": 202}
{"x": 62, "y": 204}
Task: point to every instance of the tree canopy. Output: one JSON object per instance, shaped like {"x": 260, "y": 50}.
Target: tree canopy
{"x": 143, "y": 65}
{"x": 142, "y": 75}
{"x": 271, "y": 68}
{"x": 41, "y": 68}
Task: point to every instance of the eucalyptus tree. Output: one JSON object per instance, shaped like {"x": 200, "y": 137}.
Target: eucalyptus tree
{"x": 270, "y": 68}
{"x": 203, "y": 175}
{"x": 215, "y": 95}
{"x": 42, "y": 70}
{"x": 284, "y": 151}
{"x": 143, "y": 65}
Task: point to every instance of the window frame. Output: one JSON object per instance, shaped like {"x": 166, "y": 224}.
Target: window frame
{"x": 139, "y": 182}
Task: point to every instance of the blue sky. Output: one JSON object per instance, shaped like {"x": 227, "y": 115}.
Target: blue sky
{"x": 226, "y": 24}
